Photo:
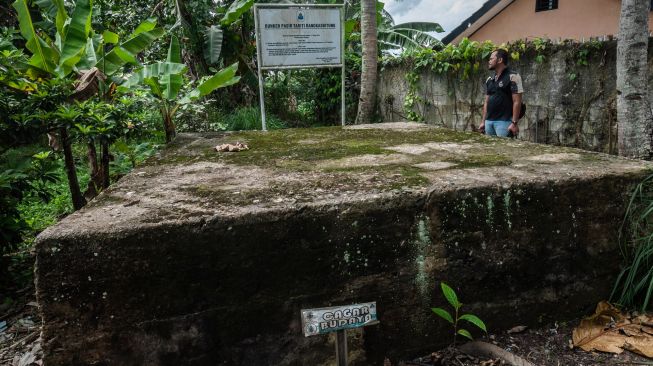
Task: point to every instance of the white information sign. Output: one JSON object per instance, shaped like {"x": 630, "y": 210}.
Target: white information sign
{"x": 326, "y": 320}
{"x": 300, "y": 36}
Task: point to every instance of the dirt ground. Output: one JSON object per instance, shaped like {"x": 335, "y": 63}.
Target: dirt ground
{"x": 546, "y": 346}
{"x": 20, "y": 345}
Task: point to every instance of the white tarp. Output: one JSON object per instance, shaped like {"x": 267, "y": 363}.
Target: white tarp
{"x": 299, "y": 36}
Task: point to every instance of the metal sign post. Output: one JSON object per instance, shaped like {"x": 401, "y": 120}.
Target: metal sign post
{"x": 338, "y": 319}
{"x": 299, "y": 36}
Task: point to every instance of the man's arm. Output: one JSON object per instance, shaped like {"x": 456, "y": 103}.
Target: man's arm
{"x": 516, "y": 109}
{"x": 517, "y": 89}
{"x": 481, "y": 127}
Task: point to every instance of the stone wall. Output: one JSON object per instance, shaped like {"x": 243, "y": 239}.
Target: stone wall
{"x": 568, "y": 103}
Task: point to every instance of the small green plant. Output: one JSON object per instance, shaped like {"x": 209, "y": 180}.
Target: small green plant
{"x": 451, "y": 297}
{"x": 634, "y": 286}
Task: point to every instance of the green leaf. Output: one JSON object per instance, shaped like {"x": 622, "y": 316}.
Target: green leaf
{"x": 465, "y": 333}
{"x": 235, "y": 11}
{"x": 443, "y": 314}
{"x": 223, "y": 78}
{"x": 474, "y": 320}
{"x": 174, "y": 51}
{"x": 350, "y": 25}
{"x": 43, "y": 57}
{"x": 110, "y": 37}
{"x": 57, "y": 9}
{"x": 172, "y": 82}
{"x": 420, "y": 26}
{"x": 146, "y": 26}
{"x": 90, "y": 58}
{"x": 213, "y": 45}
{"x": 450, "y": 295}
{"x": 136, "y": 43}
{"x": 157, "y": 70}
{"x": 76, "y": 34}
{"x": 125, "y": 56}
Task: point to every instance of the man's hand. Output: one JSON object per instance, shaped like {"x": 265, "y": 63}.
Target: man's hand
{"x": 514, "y": 129}
{"x": 481, "y": 127}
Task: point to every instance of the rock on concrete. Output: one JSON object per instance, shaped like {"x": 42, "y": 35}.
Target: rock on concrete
{"x": 206, "y": 258}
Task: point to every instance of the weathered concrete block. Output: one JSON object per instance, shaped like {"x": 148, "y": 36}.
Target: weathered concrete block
{"x": 206, "y": 258}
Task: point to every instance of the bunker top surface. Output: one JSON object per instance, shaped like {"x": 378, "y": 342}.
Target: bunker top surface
{"x": 287, "y": 169}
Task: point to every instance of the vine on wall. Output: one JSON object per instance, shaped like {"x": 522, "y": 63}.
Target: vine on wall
{"x": 462, "y": 61}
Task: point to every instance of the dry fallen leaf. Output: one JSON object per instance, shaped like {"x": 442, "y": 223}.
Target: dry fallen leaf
{"x": 608, "y": 330}
{"x": 517, "y": 329}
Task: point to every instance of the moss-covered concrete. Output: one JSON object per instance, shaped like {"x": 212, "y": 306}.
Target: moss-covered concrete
{"x": 205, "y": 258}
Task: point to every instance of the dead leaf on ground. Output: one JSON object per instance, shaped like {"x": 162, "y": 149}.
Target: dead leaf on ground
{"x": 238, "y": 146}
{"x": 608, "y": 330}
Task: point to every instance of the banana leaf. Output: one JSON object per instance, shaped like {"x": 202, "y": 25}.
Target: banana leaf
{"x": 213, "y": 45}
{"x": 221, "y": 79}
{"x": 126, "y": 51}
{"x": 172, "y": 82}
{"x": 109, "y": 37}
{"x": 75, "y": 36}
{"x": 235, "y": 11}
{"x": 157, "y": 70}
{"x": 420, "y": 26}
{"x": 146, "y": 26}
{"x": 43, "y": 56}
{"x": 56, "y": 9}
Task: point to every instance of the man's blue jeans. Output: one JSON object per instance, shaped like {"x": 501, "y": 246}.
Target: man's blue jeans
{"x": 497, "y": 128}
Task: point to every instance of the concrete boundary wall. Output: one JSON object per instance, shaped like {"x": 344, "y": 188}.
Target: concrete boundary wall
{"x": 567, "y": 103}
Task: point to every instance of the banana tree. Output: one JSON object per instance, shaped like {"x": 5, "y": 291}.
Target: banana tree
{"x": 390, "y": 36}
{"x": 165, "y": 81}
{"x": 408, "y": 36}
{"x": 75, "y": 48}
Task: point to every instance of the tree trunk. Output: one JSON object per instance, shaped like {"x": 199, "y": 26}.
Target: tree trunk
{"x": 367, "y": 98}
{"x": 168, "y": 125}
{"x": 95, "y": 181}
{"x": 633, "y": 110}
{"x": 105, "y": 164}
{"x": 71, "y": 172}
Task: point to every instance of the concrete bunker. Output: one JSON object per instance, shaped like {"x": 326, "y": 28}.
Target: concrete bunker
{"x": 205, "y": 258}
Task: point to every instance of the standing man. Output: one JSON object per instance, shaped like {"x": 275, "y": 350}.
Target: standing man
{"x": 503, "y": 98}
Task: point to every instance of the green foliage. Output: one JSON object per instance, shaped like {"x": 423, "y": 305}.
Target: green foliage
{"x": 235, "y": 11}
{"x": 634, "y": 286}
{"x": 452, "y": 299}
{"x": 249, "y": 118}
{"x": 412, "y": 98}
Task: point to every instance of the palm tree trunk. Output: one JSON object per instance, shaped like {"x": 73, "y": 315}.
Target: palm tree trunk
{"x": 633, "y": 109}
{"x": 71, "y": 172}
{"x": 367, "y": 98}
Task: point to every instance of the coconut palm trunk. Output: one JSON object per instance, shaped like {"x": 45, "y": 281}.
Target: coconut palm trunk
{"x": 633, "y": 109}
{"x": 369, "y": 64}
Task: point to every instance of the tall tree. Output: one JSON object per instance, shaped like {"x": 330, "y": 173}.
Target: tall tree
{"x": 369, "y": 62}
{"x": 633, "y": 111}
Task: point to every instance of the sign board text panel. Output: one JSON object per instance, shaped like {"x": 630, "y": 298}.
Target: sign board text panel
{"x": 300, "y": 36}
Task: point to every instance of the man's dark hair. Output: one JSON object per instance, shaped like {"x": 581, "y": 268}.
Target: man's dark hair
{"x": 502, "y": 54}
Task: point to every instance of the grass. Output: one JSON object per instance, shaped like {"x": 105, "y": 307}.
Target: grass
{"x": 634, "y": 286}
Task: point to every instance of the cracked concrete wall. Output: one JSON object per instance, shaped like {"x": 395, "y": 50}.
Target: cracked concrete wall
{"x": 567, "y": 103}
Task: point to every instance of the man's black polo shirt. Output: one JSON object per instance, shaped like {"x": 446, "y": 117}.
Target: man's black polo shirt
{"x": 500, "y": 90}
